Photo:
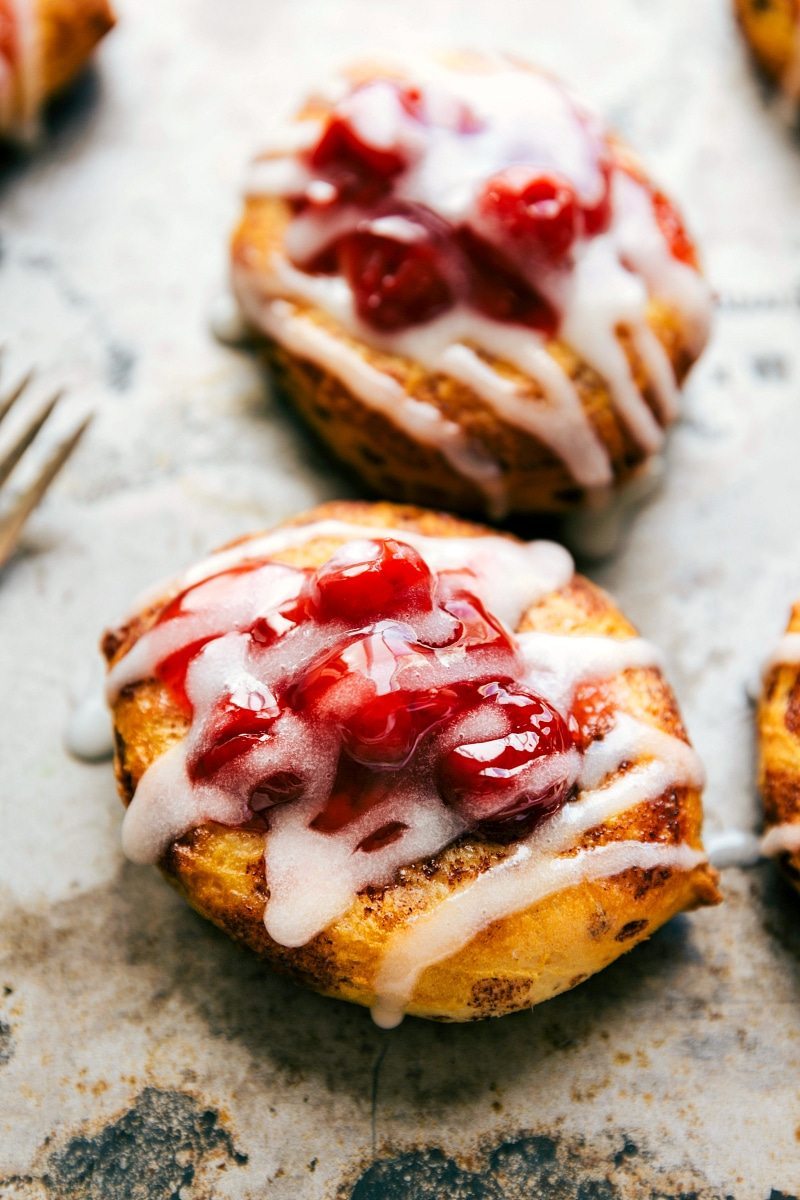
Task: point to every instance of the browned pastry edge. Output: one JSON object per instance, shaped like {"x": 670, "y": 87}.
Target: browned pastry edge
{"x": 68, "y": 31}
{"x": 770, "y": 27}
{"x": 395, "y": 464}
{"x": 779, "y": 748}
{"x": 392, "y": 462}
{"x": 517, "y": 961}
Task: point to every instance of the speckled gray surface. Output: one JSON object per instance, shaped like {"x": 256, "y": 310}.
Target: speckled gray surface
{"x": 141, "y": 1054}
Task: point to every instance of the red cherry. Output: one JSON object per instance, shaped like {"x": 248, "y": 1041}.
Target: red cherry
{"x": 478, "y": 629}
{"x": 238, "y": 729}
{"x": 356, "y": 789}
{"x": 395, "y": 284}
{"x": 539, "y": 213}
{"x": 385, "y": 732}
{"x": 361, "y": 173}
{"x": 366, "y": 665}
{"x": 384, "y": 836}
{"x": 674, "y": 231}
{"x": 413, "y": 101}
{"x": 265, "y": 631}
{"x": 385, "y": 578}
{"x": 213, "y": 587}
{"x": 441, "y": 111}
{"x": 499, "y": 291}
{"x": 592, "y": 713}
{"x": 173, "y": 669}
{"x": 325, "y": 262}
{"x": 493, "y": 783}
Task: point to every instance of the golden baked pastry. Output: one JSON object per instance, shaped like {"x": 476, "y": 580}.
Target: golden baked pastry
{"x": 772, "y": 27}
{"x": 44, "y": 44}
{"x": 331, "y": 741}
{"x": 779, "y": 750}
{"x": 470, "y": 290}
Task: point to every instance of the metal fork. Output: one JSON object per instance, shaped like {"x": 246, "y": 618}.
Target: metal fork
{"x": 14, "y": 515}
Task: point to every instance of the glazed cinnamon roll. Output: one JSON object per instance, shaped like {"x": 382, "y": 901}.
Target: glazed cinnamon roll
{"x": 413, "y": 764}
{"x": 469, "y": 287}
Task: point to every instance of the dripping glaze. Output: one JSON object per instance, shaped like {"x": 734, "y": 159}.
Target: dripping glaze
{"x": 786, "y": 653}
{"x": 89, "y": 735}
{"x": 321, "y": 850}
{"x": 442, "y": 209}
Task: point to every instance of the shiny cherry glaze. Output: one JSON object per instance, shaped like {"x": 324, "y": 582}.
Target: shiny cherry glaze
{"x": 406, "y": 656}
{"x": 240, "y": 724}
{"x": 384, "y": 578}
{"x": 503, "y": 259}
{"x": 360, "y": 173}
{"x": 493, "y": 783}
{"x": 673, "y": 229}
{"x": 172, "y": 669}
{"x": 668, "y": 218}
{"x": 496, "y": 289}
{"x": 395, "y": 284}
{"x": 540, "y": 214}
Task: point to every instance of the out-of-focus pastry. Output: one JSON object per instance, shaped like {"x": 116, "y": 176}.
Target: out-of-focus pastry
{"x": 44, "y": 44}
{"x": 470, "y": 289}
{"x": 779, "y": 750}
{"x": 772, "y": 27}
{"x": 413, "y": 764}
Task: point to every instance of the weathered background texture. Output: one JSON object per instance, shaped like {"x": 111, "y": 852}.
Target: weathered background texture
{"x": 141, "y": 1054}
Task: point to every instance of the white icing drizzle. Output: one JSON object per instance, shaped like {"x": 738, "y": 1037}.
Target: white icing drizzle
{"x": 288, "y": 139}
{"x": 165, "y": 807}
{"x": 559, "y": 662}
{"x": 20, "y": 82}
{"x": 419, "y": 419}
{"x": 659, "y": 371}
{"x": 314, "y": 877}
{"x": 733, "y": 848}
{"x": 535, "y": 870}
{"x": 612, "y": 279}
{"x": 519, "y": 888}
{"x": 89, "y": 735}
{"x": 781, "y": 839}
{"x": 514, "y": 574}
{"x": 226, "y": 320}
{"x": 263, "y": 591}
{"x": 786, "y": 653}
{"x": 559, "y": 422}
{"x": 447, "y": 345}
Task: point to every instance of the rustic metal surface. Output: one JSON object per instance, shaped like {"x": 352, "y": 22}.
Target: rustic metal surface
{"x": 141, "y": 1054}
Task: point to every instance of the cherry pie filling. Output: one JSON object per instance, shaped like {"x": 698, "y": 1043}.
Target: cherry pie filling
{"x": 410, "y": 678}
{"x": 505, "y": 258}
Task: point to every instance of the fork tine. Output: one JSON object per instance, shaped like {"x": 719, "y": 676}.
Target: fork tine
{"x": 11, "y": 397}
{"x": 12, "y": 521}
{"x": 15, "y": 452}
